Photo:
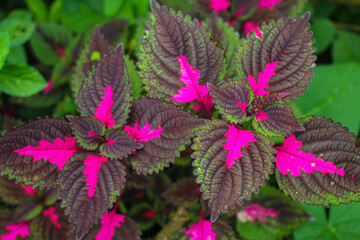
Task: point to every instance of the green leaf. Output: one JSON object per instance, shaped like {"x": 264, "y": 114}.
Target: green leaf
{"x": 137, "y": 86}
{"x": 111, "y": 7}
{"x": 21, "y": 80}
{"x": 342, "y": 224}
{"x": 4, "y": 47}
{"x": 55, "y": 11}
{"x": 346, "y": 47}
{"x": 332, "y": 88}
{"x": 324, "y": 33}
{"x": 17, "y": 55}
{"x": 38, "y": 8}
{"x": 20, "y": 30}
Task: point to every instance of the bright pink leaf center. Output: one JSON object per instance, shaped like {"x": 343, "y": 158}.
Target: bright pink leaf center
{"x": 50, "y": 212}
{"x": 219, "y": 5}
{"x": 150, "y": 214}
{"x": 268, "y": 3}
{"x": 110, "y": 141}
{"x": 93, "y": 165}
{"x": 260, "y": 115}
{"x": 109, "y": 222}
{"x": 237, "y": 138}
{"x": 19, "y": 229}
{"x": 207, "y": 102}
{"x": 201, "y": 230}
{"x": 92, "y": 134}
{"x": 192, "y": 91}
{"x": 103, "y": 113}
{"x": 144, "y": 134}
{"x": 57, "y": 152}
{"x": 289, "y": 158}
{"x": 29, "y": 191}
{"x": 243, "y": 106}
{"x": 250, "y": 26}
{"x": 262, "y": 83}
{"x": 256, "y": 211}
{"x": 60, "y": 51}
{"x": 48, "y": 86}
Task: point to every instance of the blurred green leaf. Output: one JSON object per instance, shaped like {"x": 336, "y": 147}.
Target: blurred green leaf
{"x": 21, "y": 80}
{"x": 19, "y": 30}
{"x": 4, "y": 47}
{"x": 334, "y": 92}
{"x": 111, "y": 7}
{"x": 325, "y": 9}
{"x": 55, "y": 11}
{"x": 38, "y": 8}
{"x": 346, "y": 47}
{"x": 343, "y": 223}
{"x": 135, "y": 79}
{"x": 324, "y": 33}
{"x": 17, "y": 55}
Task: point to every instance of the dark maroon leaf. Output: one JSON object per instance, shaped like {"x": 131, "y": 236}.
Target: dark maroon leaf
{"x": 119, "y": 144}
{"x": 93, "y": 51}
{"x": 179, "y": 126}
{"x": 287, "y": 41}
{"x": 180, "y": 36}
{"x": 27, "y": 210}
{"x": 87, "y": 131}
{"x": 5, "y": 219}
{"x": 332, "y": 143}
{"x": 184, "y": 192}
{"x": 114, "y": 29}
{"x": 280, "y": 120}
{"x": 45, "y": 228}
{"x": 129, "y": 230}
{"x": 38, "y": 174}
{"x": 223, "y": 231}
{"x": 225, "y": 187}
{"x": 232, "y": 99}
{"x": 109, "y": 77}
{"x": 84, "y": 211}
{"x": 10, "y": 192}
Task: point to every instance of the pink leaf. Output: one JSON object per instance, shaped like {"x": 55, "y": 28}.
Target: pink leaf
{"x": 48, "y": 86}
{"x": 259, "y": 86}
{"x": 207, "y": 102}
{"x": 29, "y": 191}
{"x": 260, "y": 115}
{"x": 237, "y": 138}
{"x": 103, "y": 113}
{"x": 57, "y": 152}
{"x": 109, "y": 222}
{"x": 92, "y": 134}
{"x": 193, "y": 91}
{"x": 110, "y": 141}
{"x": 144, "y": 134}
{"x": 256, "y": 211}
{"x": 50, "y": 212}
{"x": 268, "y": 3}
{"x": 201, "y": 230}
{"x": 21, "y": 228}
{"x": 150, "y": 214}
{"x": 219, "y": 5}
{"x": 93, "y": 163}
{"x": 250, "y": 26}
{"x": 243, "y": 106}
{"x": 289, "y": 158}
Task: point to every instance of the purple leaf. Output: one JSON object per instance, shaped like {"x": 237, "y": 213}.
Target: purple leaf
{"x": 201, "y": 230}
{"x": 50, "y": 213}
{"x": 334, "y": 151}
{"x": 19, "y": 229}
{"x": 295, "y": 59}
{"x": 107, "y": 94}
{"x": 232, "y": 99}
{"x": 119, "y": 144}
{"x": 38, "y": 174}
{"x": 180, "y": 36}
{"x": 57, "y": 152}
{"x": 77, "y": 187}
{"x": 184, "y": 192}
{"x": 259, "y": 86}
{"x": 250, "y": 26}
{"x": 219, "y": 5}
{"x": 12, "y": 193}
{"x": 290, "y": 158}
{"x": 225, "y": 187}
{"x": 143, "y": 134}
{"x": 87, "y": 131}
{"x": 178, "y": 127}
{"x": 268, "y": 3}
{"x": 255, "y": 211}
{"x": 236, "y": 139}
{"x": 109, "y": 222}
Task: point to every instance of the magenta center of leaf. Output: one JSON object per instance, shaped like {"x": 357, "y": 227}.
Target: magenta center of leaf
{"x": 93, "y": 165}
{"x": 103, "y": 113}
{"x": 144, "y": 134}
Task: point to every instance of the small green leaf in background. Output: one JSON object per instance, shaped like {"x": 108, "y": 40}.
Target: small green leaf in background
{"x": 324, "y": 33}
{"x": 342, "y": 224}
{"x": 4, "y": 47}
{"x": 111, "y": 7}
{"x": 55, "y": 11}
{"x": 19, "y": 29}
{"x": 334, "y": 87}
{"x": 346, "y": 47}
{"x": 135, "y": 79}
{"x": 38, "y": 8}
{"x": 17, "y": 55}
{"x": 21, "y": 80}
